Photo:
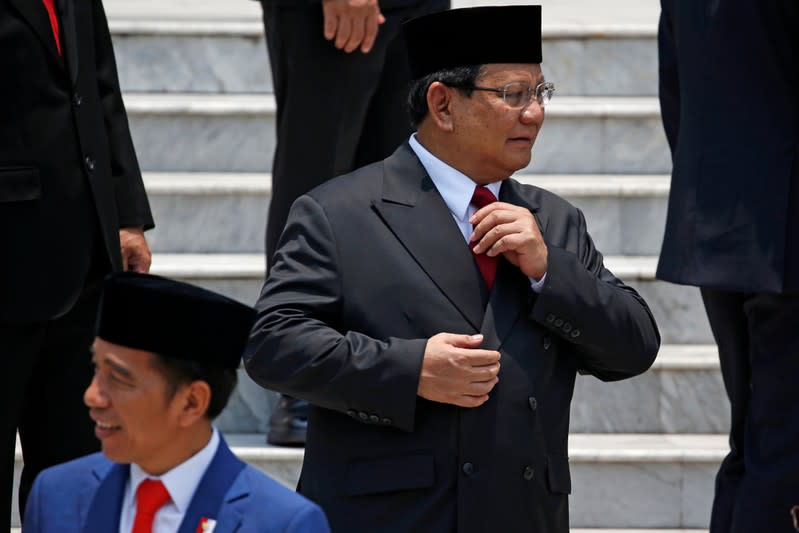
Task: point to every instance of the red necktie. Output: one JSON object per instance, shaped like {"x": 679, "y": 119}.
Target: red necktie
{"x": 150, "y": 496}
{"x": 53, "y": 22}
{"x": 487, "y": 265}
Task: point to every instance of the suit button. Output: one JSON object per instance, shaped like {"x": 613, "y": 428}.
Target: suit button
{"x": 89, "y": 161}
{"x": 558, "y": 322}
{"x": 363, "y": 416}
{"x": 533, "y": 403}
{"x": 547, "y": 343}
{"x": 352, "y": 413}
{"x": 550, "y": 318}
{"x": 77, "y": 99}
{"x": 374, "y": 419}
{"x": 468, "y": 469}
{"x": 529, "y": 472}
{"x": 386, "y": 421}
{"x": 567, "y": 327}
{"x": 575, "y": 333}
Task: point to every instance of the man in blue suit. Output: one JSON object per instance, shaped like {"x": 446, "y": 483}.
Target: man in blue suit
{"x": 165, "y": 360}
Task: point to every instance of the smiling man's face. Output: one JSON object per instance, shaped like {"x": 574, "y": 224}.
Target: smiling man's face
{"x": 128, "y": 399}
{"x": 492, "y": 138}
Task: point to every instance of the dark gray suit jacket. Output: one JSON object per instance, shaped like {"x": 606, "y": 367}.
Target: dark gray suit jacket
{"x": 369, "y": 267}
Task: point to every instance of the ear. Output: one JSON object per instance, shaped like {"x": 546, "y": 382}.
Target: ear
{"x": 193, "y": 402}
{"x": 439, "y": 105}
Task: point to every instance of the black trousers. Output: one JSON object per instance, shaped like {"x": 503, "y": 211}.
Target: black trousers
{"x": 44, "y": 370}
{"x": 757, "y": 487}
{"x": 335, "y": 111}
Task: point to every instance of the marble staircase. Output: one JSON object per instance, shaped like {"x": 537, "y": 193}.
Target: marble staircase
{"x": 198, "y": 92}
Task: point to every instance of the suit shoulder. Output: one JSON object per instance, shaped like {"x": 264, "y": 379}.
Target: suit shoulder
{"x": 270, "y": 498}
{"x": 362, "y": 183}
{"x": 82, "y": 467}
{"x": 548, "y": 200}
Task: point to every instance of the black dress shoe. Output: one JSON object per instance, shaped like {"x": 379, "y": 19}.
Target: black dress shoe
{"x": 288, "y": 423}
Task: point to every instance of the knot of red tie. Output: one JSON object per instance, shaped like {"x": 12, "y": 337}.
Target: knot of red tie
{"x": 150, "y": 496}
{"x": 487, "y": 265}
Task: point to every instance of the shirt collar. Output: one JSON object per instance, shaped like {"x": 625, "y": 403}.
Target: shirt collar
{"x": 181, "y": 481}
{"x": 455, "y": 187}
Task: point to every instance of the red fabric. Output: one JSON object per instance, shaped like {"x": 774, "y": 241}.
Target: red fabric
{"x": 150, "y": 496}
{"x": 487, "y": 265}
{"x": 53, "y": 22}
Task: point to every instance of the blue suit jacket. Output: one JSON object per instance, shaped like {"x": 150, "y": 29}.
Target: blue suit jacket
{"x": 85, "y": 495}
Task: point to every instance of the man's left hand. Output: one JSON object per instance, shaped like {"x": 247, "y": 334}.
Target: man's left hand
{"x": 136, "y": 255}
{"x": 510, "y": 230}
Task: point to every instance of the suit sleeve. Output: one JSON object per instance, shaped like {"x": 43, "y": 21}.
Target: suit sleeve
{"x": 32, "y": 522}
{"x": 669, "y": 83}
{"x": 298, "y": 346}
{"x": 608, "y": 323}
{"x": 131, "y": 199}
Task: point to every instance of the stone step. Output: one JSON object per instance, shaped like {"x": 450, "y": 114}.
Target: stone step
{"x": 235, "y": 133}
{"x": 677, "y": 309}
{"x": 226, "y": 212}
{"x": 230, "y": 57}
{"x": 618, "y": 481}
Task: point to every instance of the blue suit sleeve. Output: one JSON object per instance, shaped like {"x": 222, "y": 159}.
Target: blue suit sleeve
{"x": 32, "y": 524}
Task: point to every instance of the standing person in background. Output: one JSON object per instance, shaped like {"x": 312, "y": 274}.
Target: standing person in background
{"x": 72, "y": 207}
{"x": 341, "y": 77}
{"x": 729, "y": 92}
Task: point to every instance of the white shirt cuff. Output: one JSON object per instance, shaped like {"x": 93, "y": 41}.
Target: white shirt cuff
{"x": 537, "y": 286}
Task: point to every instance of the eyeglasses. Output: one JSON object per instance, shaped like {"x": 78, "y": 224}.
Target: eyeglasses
{"x": 519, "y": 94}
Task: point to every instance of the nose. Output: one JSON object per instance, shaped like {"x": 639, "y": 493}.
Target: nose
{"x": 533, "y": 112}
{"x": 94, "y": 397}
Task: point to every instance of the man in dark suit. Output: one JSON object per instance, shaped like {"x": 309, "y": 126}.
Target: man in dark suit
{"x": 340, "y": 75}
{"x": 729, "y": 92}
{"x": 441, "y": 377}
{"x": 72, "y": 207}
{"x": 165, "y": 359}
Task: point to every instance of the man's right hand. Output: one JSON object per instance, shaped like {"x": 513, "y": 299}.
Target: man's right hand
{"x": 456, "y": 371}
{"x": 352, "y": 23}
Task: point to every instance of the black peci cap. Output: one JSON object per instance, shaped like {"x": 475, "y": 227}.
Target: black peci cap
{"x": 473, "y": 36}
{"x": 173, "y": 319}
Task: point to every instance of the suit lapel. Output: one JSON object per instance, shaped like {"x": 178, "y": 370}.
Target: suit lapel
{"x": 35, "y": 14}
{"x": 106, "y": 506}
{"x": 511, "y": 287}
{"x": 211, "y": 493}
{"x": 69, "y": 37}
{"x": 417, "y": 215}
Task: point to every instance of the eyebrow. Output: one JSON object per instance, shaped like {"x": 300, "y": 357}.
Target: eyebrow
{"x": 116, "y": 367}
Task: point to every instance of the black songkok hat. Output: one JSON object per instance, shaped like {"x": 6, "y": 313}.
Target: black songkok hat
{"x": 173, "y": 319}
{"x": 473, "y": 36}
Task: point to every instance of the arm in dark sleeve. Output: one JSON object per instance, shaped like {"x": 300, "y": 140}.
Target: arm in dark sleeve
{"x": 132, "y": 204}
{"x": 669, "y": 83}
{"x": 611, "y": 327}
{"x": 297, "y": 346}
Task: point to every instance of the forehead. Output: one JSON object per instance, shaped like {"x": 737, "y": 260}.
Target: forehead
{"x": 133, "y": 359}
{"x": 508, "y": 72}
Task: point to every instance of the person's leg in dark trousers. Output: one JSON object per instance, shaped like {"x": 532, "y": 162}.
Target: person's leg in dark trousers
{"x": 725, "y": 311}
{"x": 19, "y": 346}
{"x": 758, "y": 484}
{"x": 54, "y": 423}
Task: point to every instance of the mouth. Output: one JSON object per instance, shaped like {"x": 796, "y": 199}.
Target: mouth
{"x": 103, "y": 429}
{"x": 523, "y": 139}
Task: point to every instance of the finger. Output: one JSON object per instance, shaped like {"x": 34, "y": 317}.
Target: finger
{"x": 481, "y": 374}
{"x": 481, "y": 213}
{"x": 331, "y": 20}
{"x": 495, "y": 234}
{"x": 124, "y": 262}
{"x": 462, "y": 341}
{"x": 357, "y": 34}
{"x": 488, "y": 222}
{"x": 470, "y": 401}
{"x": 371, "y": 33}
{"x": 476, "y": 356}
{"x": 343, "y": 32}
{"x": 508, "y": 243}
{"x": 479, "y": 388}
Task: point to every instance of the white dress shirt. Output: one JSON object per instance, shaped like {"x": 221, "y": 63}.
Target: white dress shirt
{"x": 457, "y": 189}
{"x": 181, "y": 482}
